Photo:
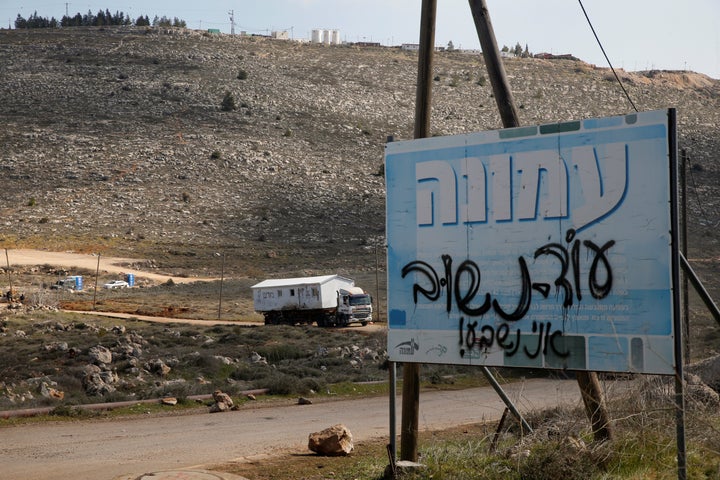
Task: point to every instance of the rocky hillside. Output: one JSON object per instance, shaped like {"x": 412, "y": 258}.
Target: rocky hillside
{"x": 117, "y": 140}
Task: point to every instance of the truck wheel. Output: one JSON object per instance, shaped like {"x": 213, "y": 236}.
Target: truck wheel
{"x": 363, "y": 323}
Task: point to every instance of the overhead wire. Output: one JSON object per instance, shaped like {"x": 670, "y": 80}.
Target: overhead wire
{"x": 627, "y": 95}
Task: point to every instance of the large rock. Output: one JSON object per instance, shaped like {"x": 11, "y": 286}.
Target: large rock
{"x": 99, "y": 383}
{"x": 223, "y": 402}
{"x": 333, "y": 441}
{"x": 100, "y": 355}
{"x": 708, "y": 370}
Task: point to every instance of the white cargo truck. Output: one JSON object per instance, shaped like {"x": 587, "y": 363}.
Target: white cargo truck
{"x": 328, "y": 300}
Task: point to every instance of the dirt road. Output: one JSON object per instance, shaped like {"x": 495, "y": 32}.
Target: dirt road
{"x": 107, "y": 449}
{"x": 26, "y": 256}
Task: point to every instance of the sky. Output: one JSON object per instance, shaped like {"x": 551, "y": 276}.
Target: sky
{"x": 636, "y": 34}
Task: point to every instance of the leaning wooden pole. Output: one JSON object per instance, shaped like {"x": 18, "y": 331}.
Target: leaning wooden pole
{"x": 496, "y": 70}
{"x": 587, "y": 381}
{"x": 411, "y": 371}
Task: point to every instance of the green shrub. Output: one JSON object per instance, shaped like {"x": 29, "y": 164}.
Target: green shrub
{"x": 215, "y": 154}
{"x": 69, "y": 411}
{"x": 242, "y": 75}
{"x": 228, "y": 103}
{"x": 279, "y": 352}
{"x": 281, "y": 384}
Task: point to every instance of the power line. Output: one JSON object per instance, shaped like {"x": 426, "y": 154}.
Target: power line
{"x": 606, "y": 57}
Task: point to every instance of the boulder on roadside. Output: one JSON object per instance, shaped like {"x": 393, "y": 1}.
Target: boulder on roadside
{"x": 223, "y": 402}
{"x": 333, "y": 441}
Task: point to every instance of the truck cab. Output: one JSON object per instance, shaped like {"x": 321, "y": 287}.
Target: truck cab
{"x": 354, "y": 306}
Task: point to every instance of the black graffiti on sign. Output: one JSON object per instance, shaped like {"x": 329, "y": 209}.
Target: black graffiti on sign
{"x": 487, "y": 335}
{"x": 470, "y": 302}
{"x": 461, "y": 287}
{"x": 571, "y": 259}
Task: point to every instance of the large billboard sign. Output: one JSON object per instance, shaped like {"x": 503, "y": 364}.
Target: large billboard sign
{"x": 543, "y": 247}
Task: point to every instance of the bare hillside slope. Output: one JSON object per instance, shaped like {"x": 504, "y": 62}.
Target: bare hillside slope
{"x": 114, "y": 140}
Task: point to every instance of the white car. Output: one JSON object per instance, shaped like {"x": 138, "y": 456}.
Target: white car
{"x": 116, "y": 284}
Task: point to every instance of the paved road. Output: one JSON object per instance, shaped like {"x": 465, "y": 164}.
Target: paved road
{"x": 106, "y": 449}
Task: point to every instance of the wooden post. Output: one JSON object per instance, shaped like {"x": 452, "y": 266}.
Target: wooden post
{"x": 7, "y": 260}
{"x": 423, "y": 92}
{"x": 222, "y": 278}
{"x": 97, "y": 272}
{"x": 423, "y": 98}
{"x": 594, "y": 405}
{"x": 588, "y": 381}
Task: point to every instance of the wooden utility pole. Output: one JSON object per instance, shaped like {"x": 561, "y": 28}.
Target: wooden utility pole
{"x": 587, "y": 381}
{"x": 7, "y": 259}
{"x": 493, "y": 63}
{"x": 97, "y": 272}
{"x": 423, "y": 98}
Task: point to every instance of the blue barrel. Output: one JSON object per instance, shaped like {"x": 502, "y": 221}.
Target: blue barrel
{"x": 78, "y": 282}
{"x": 130, "y": 279}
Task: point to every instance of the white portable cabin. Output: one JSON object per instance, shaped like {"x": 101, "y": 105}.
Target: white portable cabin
{"x": 303, "y": 293}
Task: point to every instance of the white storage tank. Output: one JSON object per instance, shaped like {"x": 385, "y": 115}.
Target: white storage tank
{"x": 317, "y": 35}
{"x": 335, "y": 37}
{"x": 326, "y": 37}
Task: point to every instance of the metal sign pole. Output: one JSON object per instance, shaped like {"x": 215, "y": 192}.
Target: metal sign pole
{"x": 677, "y": 321}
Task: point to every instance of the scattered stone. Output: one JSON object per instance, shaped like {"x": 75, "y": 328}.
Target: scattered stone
{"x": 97, "y": 381}
{"x": 223, "y": 402}
{"x": 304, "y": 401}
{"x": 100, "y": 355}
{"x": 119, "y": 329}
{"x": 333, "y": 441}
{"x": 157, "y": 367}
{"x": 250, "y": 396}
{"x": 50, "y": 392}
{"x": 224, "y": 360}
{"x": 257, "y": 358}
{"x": 169, "y": 401}
{"x": 56, "y": 347}
{"x": 403, "y": 467}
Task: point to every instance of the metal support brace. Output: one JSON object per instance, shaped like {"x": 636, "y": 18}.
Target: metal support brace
{"x": 506, "y": 399}
{"x": 700, "y": 289}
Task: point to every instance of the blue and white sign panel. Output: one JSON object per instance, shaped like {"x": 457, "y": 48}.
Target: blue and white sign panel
{"x": 543, "y": 247}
